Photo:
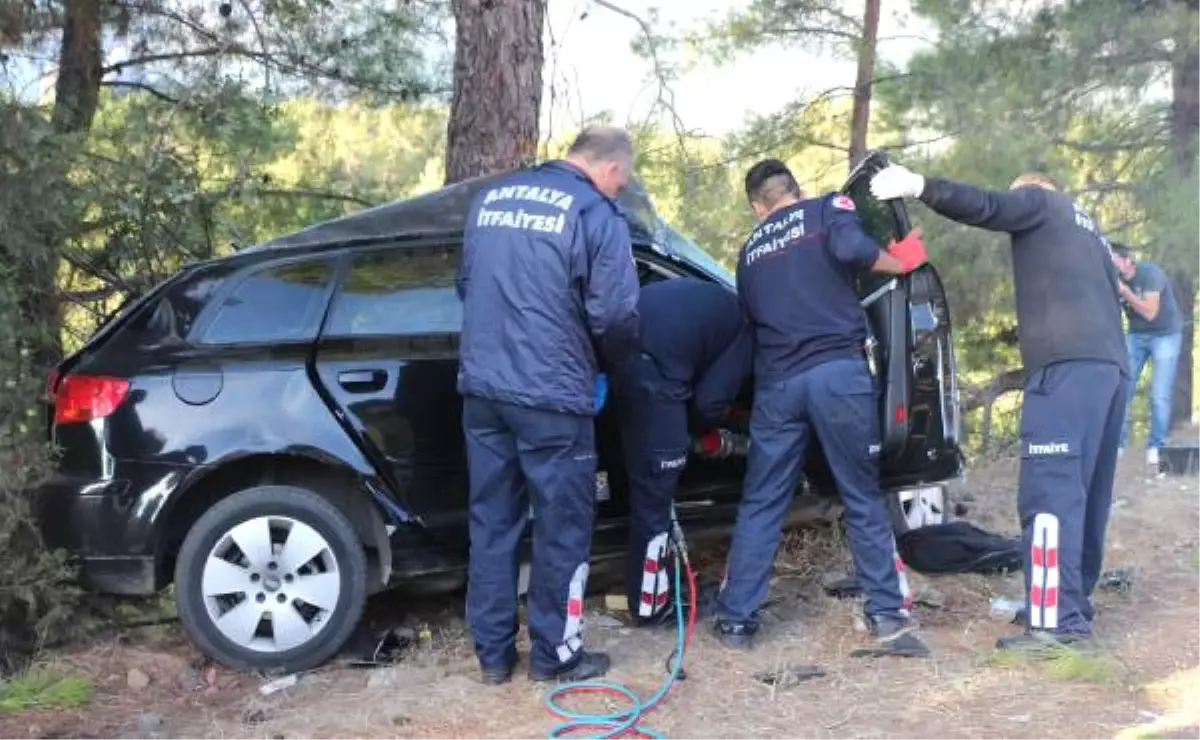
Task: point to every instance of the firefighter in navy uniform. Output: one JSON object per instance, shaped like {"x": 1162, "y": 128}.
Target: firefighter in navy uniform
{"x": 694, "y": 358}
{"x": 795, "y": 276}
{"x": 1074, "y": 355}
{"x": 549, "y": 295}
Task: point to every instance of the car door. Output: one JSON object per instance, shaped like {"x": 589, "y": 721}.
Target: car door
{"x": 914, "y": 354}
{"x": 388, "y": 359}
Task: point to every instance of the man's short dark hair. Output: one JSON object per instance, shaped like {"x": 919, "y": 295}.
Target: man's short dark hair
{"x": 602, "y": 144}
{"x": 1121, "y": 250}
{"x": 769, "y": 182}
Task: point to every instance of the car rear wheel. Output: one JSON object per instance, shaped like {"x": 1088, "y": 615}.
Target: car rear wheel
{"x": 272, "y": 578}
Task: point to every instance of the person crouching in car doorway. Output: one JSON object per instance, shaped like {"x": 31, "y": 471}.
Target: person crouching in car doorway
{"x": 1155, "y": 336}
{"x": 695, "y": 347}
{"x": 795, "y": 276}
{"x": 547, "y": 277}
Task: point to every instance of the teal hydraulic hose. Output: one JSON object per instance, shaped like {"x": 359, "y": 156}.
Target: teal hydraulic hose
{"x": 627, "y": 721}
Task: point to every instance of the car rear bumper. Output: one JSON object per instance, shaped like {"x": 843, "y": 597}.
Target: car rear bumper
{"x": 95, "y": 522}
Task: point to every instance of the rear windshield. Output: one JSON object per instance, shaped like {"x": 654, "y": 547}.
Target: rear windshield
{"x": 167, "y": 317}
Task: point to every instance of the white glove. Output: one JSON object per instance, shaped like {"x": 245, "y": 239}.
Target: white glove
{"x": 896, "y": 181}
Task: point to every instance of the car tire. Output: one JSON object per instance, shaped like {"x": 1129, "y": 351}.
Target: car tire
{"x": 920, "y": 507}
{"x": 291, "y": 614}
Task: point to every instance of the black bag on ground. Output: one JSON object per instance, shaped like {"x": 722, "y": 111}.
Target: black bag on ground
{"x": 958, "y": 547}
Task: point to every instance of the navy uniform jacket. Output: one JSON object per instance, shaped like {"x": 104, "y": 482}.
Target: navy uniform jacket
{"x": 549, "y": 291}
{"x": 1063, "y": 274}
{"x": 694, "y": 332}
{"x": 795, "y": 276}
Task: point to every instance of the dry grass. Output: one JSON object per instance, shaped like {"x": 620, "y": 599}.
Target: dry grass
{"x": 1145, "y": 682}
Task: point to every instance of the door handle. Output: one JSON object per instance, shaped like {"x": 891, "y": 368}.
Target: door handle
{"x": 362, "y": 381}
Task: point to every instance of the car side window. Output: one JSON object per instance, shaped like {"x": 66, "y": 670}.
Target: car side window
{"x": 400, "y": 291}
{"x": 877, "y": 218}
{"x": 276, "y": 304}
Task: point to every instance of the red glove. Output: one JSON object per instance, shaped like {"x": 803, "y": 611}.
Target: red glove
{"x": 910, "y": 251}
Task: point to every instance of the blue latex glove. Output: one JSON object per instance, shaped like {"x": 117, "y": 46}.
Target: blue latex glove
{"x": 601, "y": 391}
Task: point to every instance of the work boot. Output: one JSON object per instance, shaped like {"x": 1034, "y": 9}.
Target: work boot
{"x": 736, "y": 635}
{"x": 501, "y": 671}
{"x": 588, "y": 666}
{"x": 893, "y": 635}
{"x": 496, "y": 676}
{"x": 1035, "y": 642}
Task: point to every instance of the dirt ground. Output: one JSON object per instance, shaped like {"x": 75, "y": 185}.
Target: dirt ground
{"x": 1144, "y": 682}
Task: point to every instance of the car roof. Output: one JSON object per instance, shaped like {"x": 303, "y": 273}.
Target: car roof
{"x": 443, "y": 213}
{"x": 440, "y": 212}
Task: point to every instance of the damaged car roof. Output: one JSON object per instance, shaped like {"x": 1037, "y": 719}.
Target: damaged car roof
{"x": 444, "y": 211}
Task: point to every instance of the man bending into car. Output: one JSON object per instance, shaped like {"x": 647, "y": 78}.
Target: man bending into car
{"x": 547, "y": 281}
{"x": 694, "y": 359}
{"x": 795, "y": 276}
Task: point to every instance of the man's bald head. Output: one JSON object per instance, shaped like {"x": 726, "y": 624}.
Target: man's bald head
{"x": 1034, "y": 179}
{"x": 605, "y": 153}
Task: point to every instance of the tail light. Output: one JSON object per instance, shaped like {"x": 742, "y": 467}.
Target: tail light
{"x": 901, "y": 414}
{"x": 80, "y": 398}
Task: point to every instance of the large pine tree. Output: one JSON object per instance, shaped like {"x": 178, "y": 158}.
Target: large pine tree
{"x": 497, "y": 86}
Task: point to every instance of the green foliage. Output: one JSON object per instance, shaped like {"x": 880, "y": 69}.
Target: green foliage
{"x": 42, "y": 688}
{"x": 219, "y": 123}
{"x": 1079, "y": 89}
{"x": 818, "y": 24}
{"x": 34, "y": 599}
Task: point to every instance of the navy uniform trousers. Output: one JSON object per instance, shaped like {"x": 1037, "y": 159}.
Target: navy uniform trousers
{"x": 1070, "y": 432}
{"x": 837, "y": 400}
{"x": 519, "y": 456}
{"x": 654, "y": 445}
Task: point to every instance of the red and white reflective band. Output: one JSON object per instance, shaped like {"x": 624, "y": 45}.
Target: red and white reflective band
{"x": 902, "y": 576}
{"x": 1043, "y": 572}
{"x": 572, "y": 640}
{"x": 655, "y": 586}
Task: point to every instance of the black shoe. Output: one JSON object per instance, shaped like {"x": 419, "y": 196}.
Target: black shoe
{"x": 496, "y": 676}
{"x": 736, "y": 635}
{"x": 1043, "y": 641}
{"x": 894, "y": 635}
{"x": 588, "y": 666}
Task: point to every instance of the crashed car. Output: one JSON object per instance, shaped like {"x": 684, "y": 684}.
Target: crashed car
{"x": 278, "y": 432}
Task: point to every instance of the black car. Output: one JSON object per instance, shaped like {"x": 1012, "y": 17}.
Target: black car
{"x": 278, "y": 432}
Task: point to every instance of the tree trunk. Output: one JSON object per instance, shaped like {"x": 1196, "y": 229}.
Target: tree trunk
{"x": 1183, "y": 393}
{"x": 497, "y": 86}
{"x": 76, "y": 96}
{"x": 77, "y": 90}
{"x": 1185, "y": 120}
{"x": 864, "y": 81}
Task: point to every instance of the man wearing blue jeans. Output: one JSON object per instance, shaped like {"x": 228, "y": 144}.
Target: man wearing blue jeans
{"x": 795, "y": 278}
{"x": 1155, "y": 335}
